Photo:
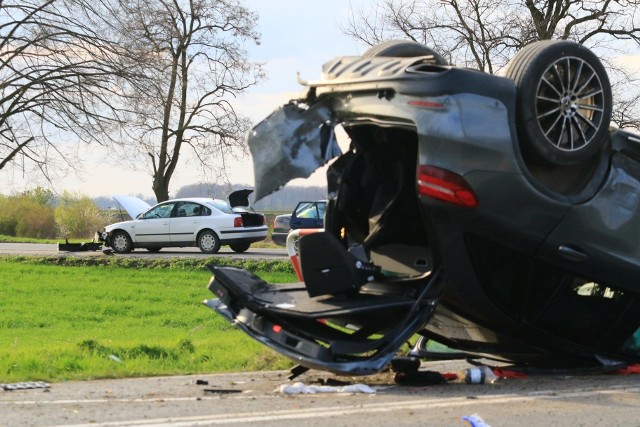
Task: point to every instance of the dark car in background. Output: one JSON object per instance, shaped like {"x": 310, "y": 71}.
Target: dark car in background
{"x": 497, "y": 215}
{"x": 305, "y": 215}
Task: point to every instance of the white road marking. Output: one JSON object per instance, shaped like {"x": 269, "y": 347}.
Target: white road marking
{"x": 310, "y": 413}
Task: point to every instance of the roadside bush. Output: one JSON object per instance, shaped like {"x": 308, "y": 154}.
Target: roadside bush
{"x": 78, "y": 216}
{"x": 35, "y": 220}
{"x": 28, "y": 214}
{"x": 8, "y": 223}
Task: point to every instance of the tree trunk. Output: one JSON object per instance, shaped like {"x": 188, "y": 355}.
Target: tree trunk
{"x": 160, "y": 188}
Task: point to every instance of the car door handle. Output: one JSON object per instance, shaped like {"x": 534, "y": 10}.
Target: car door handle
{"x": 572, "y": 254}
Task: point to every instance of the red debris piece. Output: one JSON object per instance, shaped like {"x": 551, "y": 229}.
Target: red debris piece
{"x": 629, "y": 370}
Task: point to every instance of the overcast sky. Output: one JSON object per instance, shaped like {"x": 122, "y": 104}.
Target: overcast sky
{"x": 297, "y": 37}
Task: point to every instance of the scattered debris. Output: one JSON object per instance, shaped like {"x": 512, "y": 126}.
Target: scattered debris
{"x": 478, "y": 375}
{"x": 114, "y": 358}
{"x": 25, "y": 385}
{"x": 475, "y": 421}
{"x": 332, "y": 382}
{"x": 202, "y": 382}
{"x": 296, "y": 371}
{"x": 301, "y": 388}
{"x": 629, "y": 370}
{"x": 420, "y": 378}
{"x": 221, "y": 390}
{"x": 405, "y": 364}
{"x": 79, "y": 247}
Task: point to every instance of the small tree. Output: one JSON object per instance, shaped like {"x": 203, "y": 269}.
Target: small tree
{"x": 28, "y": 214}
{"x": 78, "y": 216}
{"x": 191, "y": 53}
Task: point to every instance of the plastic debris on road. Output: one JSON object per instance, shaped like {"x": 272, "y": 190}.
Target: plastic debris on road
{"x": 301, "y": 388}
{"x": 475, "y": 421}
{"x": 25, "y": 385}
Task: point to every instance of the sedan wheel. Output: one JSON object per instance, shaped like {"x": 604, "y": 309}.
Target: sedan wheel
{"x": 121, "y": 242}
{"x": 208, "y": 242}
{"x": 240, "y": 247}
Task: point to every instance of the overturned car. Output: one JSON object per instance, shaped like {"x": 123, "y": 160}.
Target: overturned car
{"x": 497, "y": 215}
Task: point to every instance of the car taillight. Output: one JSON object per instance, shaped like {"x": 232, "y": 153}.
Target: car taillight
{"x": 237, "y": 222}
{"x": 445, "y": 185}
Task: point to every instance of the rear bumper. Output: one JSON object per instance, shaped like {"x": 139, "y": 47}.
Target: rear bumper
{"x": 244, "y": 235}
{"x": 288, "y": 321}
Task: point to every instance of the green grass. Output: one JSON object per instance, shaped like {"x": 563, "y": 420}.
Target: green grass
{"x": 13, "y": 239}
{"x": 77, "y": 318}
{"x": 267, "y": 243}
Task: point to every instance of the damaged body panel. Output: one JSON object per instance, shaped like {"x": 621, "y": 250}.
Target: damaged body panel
{"x": 498, "y": 221}
{"x": 306, "y": 141}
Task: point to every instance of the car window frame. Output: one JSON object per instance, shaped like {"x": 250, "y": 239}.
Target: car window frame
{"x": 156, "y": 207}
{"x": 204, "y": 210}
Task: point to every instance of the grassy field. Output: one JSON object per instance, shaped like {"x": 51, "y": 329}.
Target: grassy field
{"x": 119, "y": 318}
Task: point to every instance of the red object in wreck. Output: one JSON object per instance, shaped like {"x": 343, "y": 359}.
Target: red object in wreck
{"x": 629, "y": 370}
{"x": 292, "y": 247}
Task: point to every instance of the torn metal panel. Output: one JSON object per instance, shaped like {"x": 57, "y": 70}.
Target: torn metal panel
{"x": 291, "y": 143}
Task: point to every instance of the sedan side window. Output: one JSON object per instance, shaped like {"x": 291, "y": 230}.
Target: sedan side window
{"x": 161, "y": 211}
{"x": 193, "y": 209}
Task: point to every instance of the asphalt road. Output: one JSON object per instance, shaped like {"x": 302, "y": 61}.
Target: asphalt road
{"x": 52, "y": 250}
{"x": 256, "y": 399}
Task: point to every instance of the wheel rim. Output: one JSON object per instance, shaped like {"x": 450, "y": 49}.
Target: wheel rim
{"x": 570, "y": 104}
{"x": 207, "y": 242}
{"x": 120, "y": 242}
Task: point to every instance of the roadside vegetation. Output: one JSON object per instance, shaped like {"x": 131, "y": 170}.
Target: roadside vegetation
{"x": 39, "y": 214}
{"x": 66, "y": 318}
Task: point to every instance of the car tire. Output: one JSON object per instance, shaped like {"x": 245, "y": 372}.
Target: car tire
{"x": 121, "y": 242}
{"x": 154, "y": 250}
{"x": 563, "y": 102}
{"x": 240, "y": 247}
{"x": 404, "y": 49}
{"x": 208, "y": 242}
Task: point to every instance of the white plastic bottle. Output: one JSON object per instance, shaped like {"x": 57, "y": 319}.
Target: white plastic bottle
{"x": 478, "y": 375}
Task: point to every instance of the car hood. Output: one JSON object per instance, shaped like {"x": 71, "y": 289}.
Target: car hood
{"x": 133, "y": 205}
{"x": 240, "y": 199}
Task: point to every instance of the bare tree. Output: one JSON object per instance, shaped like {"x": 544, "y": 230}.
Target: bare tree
{"x": 56, "y": 75}
{"x": 484, "y": 34}
{"x": 192, "y": 55}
